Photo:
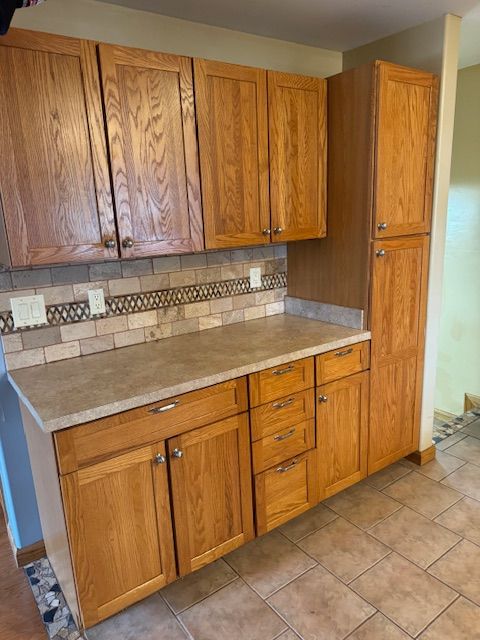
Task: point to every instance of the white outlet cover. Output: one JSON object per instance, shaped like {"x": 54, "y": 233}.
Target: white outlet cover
{"x": 255, "y": 277}
{"x": 28, "y": 311}
{"x": 96, "y": 301}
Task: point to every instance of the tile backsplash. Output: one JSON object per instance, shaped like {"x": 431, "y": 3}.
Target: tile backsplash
{"x": 146, "y": 299}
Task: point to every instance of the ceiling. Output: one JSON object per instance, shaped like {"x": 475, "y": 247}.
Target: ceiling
{"x": 332, "y": 24}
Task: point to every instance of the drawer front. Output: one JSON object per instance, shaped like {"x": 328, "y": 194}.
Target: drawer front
{"x": 269, "y": 418}
{"x": 286, "y": 491}
{"x": 101, "y": 439}
{"x": 343, "y": 362}
{"x": 284, "y": 443}
{"x": 277, "y": 382}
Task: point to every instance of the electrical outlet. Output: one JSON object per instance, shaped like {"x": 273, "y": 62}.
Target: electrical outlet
{"x": 96, "y": 301}
{"x": 255, "y": 277}
{"x": 28, "y": 311}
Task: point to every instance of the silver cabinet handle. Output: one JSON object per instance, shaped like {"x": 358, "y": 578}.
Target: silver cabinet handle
{"x": 284, "y": 436}
{"x": 277, "y": 230}
{"x": 165, "y": 407}
{"x": 127, "y": 243}
{"x": 109, "y": 243}
{"x": 382, "y": 226}
{"x": 380, "y": 253}
{"x": 280, "y": 372}
{"x": 340, "y": 354}
{"x": 288, "y": 467}
{"x": 323, "y": 398}
{"x": 159, "y": 459}
{"x": 266, "y": 232}
{"x": 177, "y": 453}
{"x": 285, "y": 403}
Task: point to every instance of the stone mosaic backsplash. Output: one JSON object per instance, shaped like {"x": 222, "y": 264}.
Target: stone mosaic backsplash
{"x": 146, "y": 299}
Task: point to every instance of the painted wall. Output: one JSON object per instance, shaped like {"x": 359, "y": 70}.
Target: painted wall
{"x": 433, "y": 46}
{"x": 459, "y": 345}
{"x": 120, "y": 25}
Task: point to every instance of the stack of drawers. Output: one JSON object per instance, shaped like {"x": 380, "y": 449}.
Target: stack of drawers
{"x": 282, "y": 401}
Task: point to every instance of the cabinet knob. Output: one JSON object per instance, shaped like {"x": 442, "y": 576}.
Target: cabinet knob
{"x": 322, "y": 398}
{"x": 127, "y": 243}
{"x": 266, "y": 232}
{"x": 277, "y": 230}
{"x": 382, "y": 226}
{"x": 159, "y": 459}
{"x": 177, "y": 453}
{"x": 380, "y": 253}
{"x": 109, "y": 243}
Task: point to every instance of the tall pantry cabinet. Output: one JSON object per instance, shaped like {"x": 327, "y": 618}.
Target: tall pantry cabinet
{"x": 381, "y": 131}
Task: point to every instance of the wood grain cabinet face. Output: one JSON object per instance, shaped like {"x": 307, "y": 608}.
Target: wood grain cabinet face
{"x": 406, "y": 129}
{"x": 119, "y": 526}
{"x": 342, "y": 432}
{"x": 231, "y": 105}
{"x": 211, "y": 491}
{"x": 297, "y": 107}
{"x": 54, "y": 179}
{"x": 150, "y": 116}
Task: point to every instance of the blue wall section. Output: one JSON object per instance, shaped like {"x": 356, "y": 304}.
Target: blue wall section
{"x": 15, "y": 472}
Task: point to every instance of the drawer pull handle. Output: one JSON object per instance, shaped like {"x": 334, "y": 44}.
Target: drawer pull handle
{"x": 323, "y": 398}
{"x": 285, "y": 403}
{"x": 288, "y": 467}
{"x": 284, "y": 436}
{"x": 177, "y": 453}
{"x": 165, "y": 407}
{"x": 280, "y": 372}
{"x": 159, "y": 459}
{"x": 347, "y": 352}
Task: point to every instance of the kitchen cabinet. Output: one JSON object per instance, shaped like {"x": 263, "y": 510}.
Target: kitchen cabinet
{"x": 150, "y": 120}
{"x": 54, "y": 177}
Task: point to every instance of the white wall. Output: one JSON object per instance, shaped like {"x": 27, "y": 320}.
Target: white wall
{"x": 120, "y": 25}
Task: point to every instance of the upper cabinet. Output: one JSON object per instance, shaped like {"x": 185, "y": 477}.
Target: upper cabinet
{"x": 54, "y": 179}
{"x": 297, "y": 109}
{"x": 231, "y": 106}
{"x": 405, "y": 148}
{"x": 150, "y": 117}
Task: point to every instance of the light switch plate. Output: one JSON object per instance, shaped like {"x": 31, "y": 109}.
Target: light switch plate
{"x": 255, "y": 277}
{"x": 96, "y": 301}
{"x": 28, "y": 311}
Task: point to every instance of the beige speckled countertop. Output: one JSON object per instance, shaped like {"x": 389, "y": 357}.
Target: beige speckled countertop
{"x": 62, "y": 394}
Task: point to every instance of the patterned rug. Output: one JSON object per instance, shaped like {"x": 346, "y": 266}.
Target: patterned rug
{"x": 442, "y": 430}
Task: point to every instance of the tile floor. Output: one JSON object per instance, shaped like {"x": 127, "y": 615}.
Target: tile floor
{"x": 395, "y": 557}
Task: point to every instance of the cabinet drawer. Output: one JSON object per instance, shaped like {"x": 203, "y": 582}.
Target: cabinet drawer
{"x": 274, "y": 416}
{"x": 276, "y": 382}
{"x": 339, "y": 363}
{"x": 286, "y": 491}
{"x": 92, "y": 442}
{"x": 284, "y": 443}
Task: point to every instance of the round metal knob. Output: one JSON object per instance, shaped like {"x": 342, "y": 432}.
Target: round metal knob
{"x": 109, "y": 243}
{"x": 380, "y": 253}
{"x": 277, "y": 230}
{"x": 382, "y": 226}
{"x": 127, "y": 243}
{"x": 323, "y": 398}
{"x": 177, "y": 453}
{"x": 266, "y": 232}
{"x": 159, "y": 459}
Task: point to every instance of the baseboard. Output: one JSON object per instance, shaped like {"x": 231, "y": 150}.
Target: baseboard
{"x": 471, "y": 402}
{"x": 444, "y": 416}
{"x": 422, "y": 457}
{"x": 25, "y": 555}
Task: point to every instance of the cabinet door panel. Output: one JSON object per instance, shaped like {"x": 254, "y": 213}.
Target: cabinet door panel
{"x": 151, "y": 130}
{"x": 211, "y": 491}
{"x": 119, "y": 525}
{"x": 406, "y": 129}
{"x": 54, "y": 180}
{"x": 233, "y": 137}
{"x": 342, "y": 432}
{"x": 297, "y": 107}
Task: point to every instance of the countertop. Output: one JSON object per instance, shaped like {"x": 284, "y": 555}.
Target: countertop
{"x": 69, "y": 392}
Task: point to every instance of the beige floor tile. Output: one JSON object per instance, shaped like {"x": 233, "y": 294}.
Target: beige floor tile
{"x": 463, "y": 518}
{"x": 383, "y": 478}
{"x": 288, "y": 635}
{"x": 461, "y": 621}
{"x": 320, "y": 607}
{"x": 460, "y": 569}
{"x": 363, "y": 505}
{"x": 415, "y": 537}
{"x": 473, "y": 429}
{"x": 344, "y": 549}
{"x": 150, "y": 619}
{"x": 379, "y": 628}
{"x": 403, "y": 592}
{"x": 422, "y": 494}
{"x": 186, "y": 591}
{"x": 442, "y": 466}
{"x": 233, "y": 613}
{"x": 466, "y": 479}
{"x": 269, "y": 562}
{"x": 445, "y": 444}
{"x": 467, "y": 449}
{"x": 308, "y": 522}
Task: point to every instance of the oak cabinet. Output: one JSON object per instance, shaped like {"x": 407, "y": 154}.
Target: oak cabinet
{"x": 150, "y": 119}
{"x": 54, "y": 176}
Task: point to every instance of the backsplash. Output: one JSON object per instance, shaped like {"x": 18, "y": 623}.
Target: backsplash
{"x": 146, "y": 299}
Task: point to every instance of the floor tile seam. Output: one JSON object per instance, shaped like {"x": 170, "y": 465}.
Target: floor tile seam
{"x": 439, "y": 480}
{"x": 179, "y": 621}
{"x": 295, "y": 542}
{"x": 391, "y": 482}
{"x": 201, "y": 599}
{"x": 350, "y": 634}
{"x": 457, "y": 595}
{"x": 286, "y": 583}
{"x": 390, "y": 551}
{"x": 462, "y": 495}
{"x": 440, "y": 614}
{"x": 400, "y": 505}
{"x": 475, "y": 464}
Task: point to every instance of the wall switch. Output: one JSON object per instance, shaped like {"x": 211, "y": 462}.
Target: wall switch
{"x": 96, "y": 302}
{"x": 255, "y": 277}
{"x": 28, "y": 311}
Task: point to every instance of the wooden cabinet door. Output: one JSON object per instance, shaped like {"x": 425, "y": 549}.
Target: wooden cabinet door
{"x": 399, "y": 292}
{"x": 54, "y": 178}
{"x": 120, "y": 531}
{"x": 150, "y": 116}
{"x": 233, "y": 137}
{"x": 211, "y": 491}
{"x": 342, "y": 432}
{"x": 405, "y": 150}
{"x": 297, "y": 109}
